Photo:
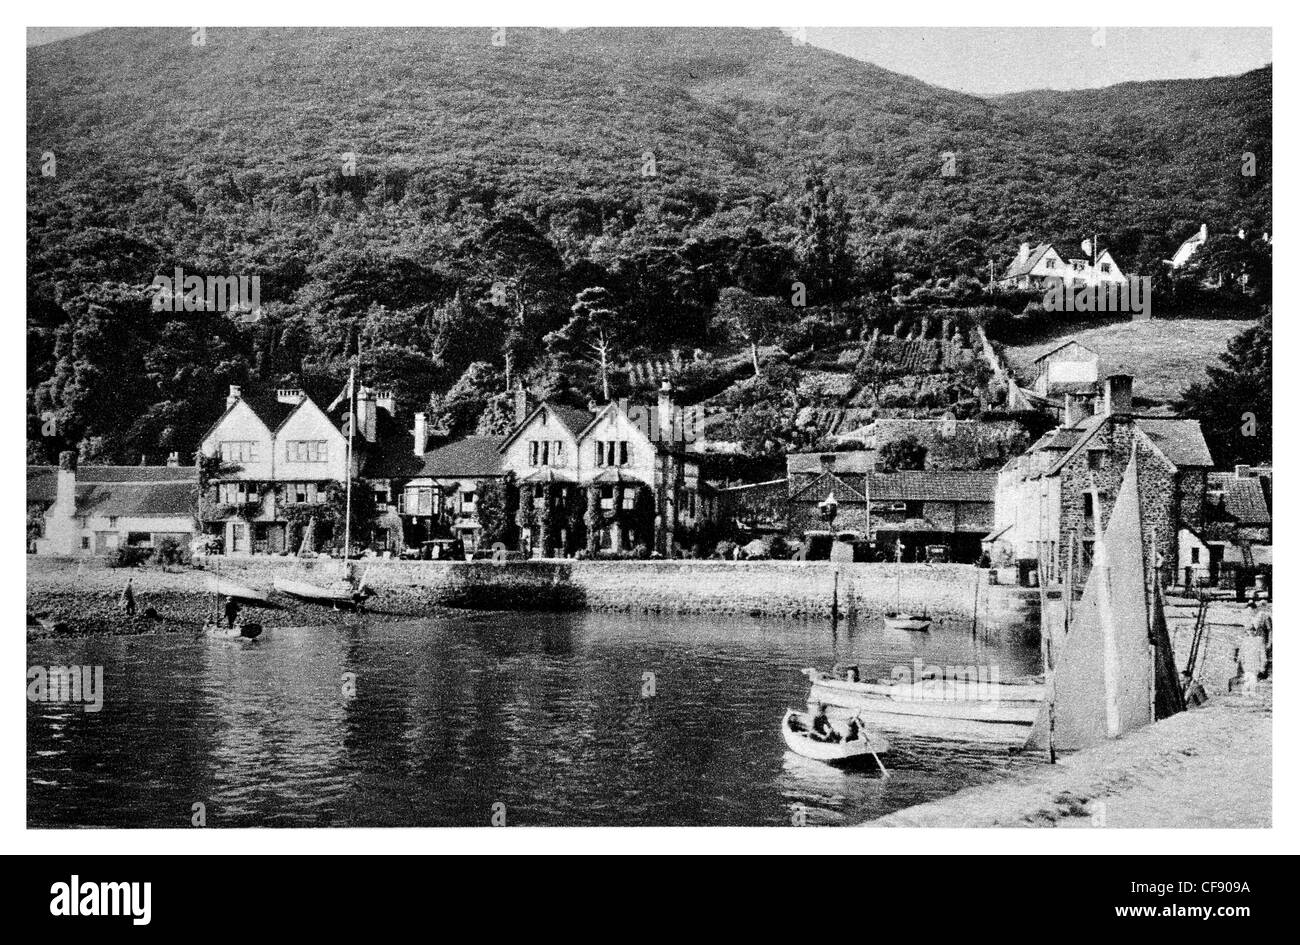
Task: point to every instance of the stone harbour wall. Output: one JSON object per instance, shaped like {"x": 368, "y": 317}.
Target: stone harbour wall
{"x": 779, "y": 588}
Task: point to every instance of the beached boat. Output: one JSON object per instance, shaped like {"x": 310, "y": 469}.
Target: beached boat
{"x": 964, "y": 707}
{"x": 795, "y": 731}
{"x": 227, "y": 588}
{"x": 340, "y": 592}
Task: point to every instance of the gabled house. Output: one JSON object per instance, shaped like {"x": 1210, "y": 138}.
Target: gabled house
{"x": 1189, "y": 246}
{"x": 1236, "y": 531}
{"x": 1036, "y": 267}
{"x": 607, "y": 479}
{"x": 95, "y": 510}
{"x": 286, "y": 452}
{"x": 908, "y": 514}
{"x": 1054, "y": 500}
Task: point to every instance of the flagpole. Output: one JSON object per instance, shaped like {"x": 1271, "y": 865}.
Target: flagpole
{"x": 347, "y": 514}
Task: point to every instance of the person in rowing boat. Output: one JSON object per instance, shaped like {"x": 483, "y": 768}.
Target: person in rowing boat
{"x": 820, "y": 730}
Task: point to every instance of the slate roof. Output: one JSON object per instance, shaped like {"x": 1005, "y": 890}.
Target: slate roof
{"x": 1017, "y": 268}
{"x": 1243, "y": 499}
{"x": 1180, "y": 440}
{"x": 138, "y": 491}
{"x": 934, "y": 485}
{"x": 470, "y": 456}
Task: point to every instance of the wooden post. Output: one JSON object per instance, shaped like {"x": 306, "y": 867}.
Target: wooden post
{"x": 1069, "y": 582}
{"x": 1049, "y": 673}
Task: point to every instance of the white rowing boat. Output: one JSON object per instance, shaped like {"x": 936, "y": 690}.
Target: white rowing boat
{"x": 798, "y": 738}
{"x": 907, "y": 622}
{"x": 228, "y": 588}
{"x": 339, "y": 592}
{"x": 966, "y": 708}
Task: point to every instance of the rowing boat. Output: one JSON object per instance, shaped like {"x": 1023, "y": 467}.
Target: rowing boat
{"x": 247, "y": 631}
{"x": 964, "y": 707}
{"x": 906, "y": 622}
{"x": 228, "y": 588}
{"x": 795, "y": 731}
{"x": 339, "y": 592}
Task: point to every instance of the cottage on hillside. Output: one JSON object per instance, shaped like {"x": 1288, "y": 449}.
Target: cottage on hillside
{"x": 1037, "y": 267}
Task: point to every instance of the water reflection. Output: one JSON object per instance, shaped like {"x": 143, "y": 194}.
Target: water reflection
{"x": 547, "y": 714}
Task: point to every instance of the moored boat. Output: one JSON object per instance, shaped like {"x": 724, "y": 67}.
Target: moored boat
{"x": 961, "y": 707}
{"x": 907, "y": 622}
{"x": 798, "y": 738}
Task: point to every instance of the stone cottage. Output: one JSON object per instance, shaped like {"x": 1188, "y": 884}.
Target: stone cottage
{"x": 1054, "y": 500}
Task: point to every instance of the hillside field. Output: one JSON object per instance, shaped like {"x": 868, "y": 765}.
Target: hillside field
{"x": 1164, "y": 356}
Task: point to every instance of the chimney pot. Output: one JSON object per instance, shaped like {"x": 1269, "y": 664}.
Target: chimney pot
{"x": 173, "y": 459}
{"x": 665, "y": 411}
{"x": 421, "y": 433}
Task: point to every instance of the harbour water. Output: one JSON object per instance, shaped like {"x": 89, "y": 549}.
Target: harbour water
{"x": 536, "y": 718}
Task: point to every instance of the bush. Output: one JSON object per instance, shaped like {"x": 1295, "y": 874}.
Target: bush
{"x": 724, "y": 549}
{"x": 129, "y": 556}
{"x": 170, "y": 551}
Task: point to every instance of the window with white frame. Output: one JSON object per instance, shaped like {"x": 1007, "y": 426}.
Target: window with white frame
{"x": 238, "y": 451}
{"x": 306, "y": 451}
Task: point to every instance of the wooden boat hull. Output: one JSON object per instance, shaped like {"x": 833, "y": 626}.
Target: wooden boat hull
{"x": 1000, "y": 713}
{"x": 907, "y": 622}
{"x": 829, "y": 752}
{"x": 227, "y": 588}
{"x": 314, "y": 592}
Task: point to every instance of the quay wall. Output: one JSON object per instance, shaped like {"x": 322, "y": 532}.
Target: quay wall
{"x": 779, "y": 588}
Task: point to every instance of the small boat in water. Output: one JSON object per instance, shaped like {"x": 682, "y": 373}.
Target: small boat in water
{"x": 907, "y": 622}
{"x": 247, "y": 631}
{"x": 227, "y": 588}
{"x": 796, "y": 730}
{"x": 963, "y": 707}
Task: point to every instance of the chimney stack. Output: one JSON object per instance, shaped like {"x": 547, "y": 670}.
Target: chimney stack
{"x": 1119, "y": 395}
{"x": 173, "y": 459}
{"x": 665, "y": 412}
{"x": 1242, "y": 471}
{"x": 1076, "y": 408}
{"x": 366, "y": 414}
{"x": 65, "y": 495}
{"x": 233, "y": 397}
{"x": 421, "y": 434}
{"x": 521, "y": 403}
{"x": 384, "y": 400}
{"x": 1024, "y": 252}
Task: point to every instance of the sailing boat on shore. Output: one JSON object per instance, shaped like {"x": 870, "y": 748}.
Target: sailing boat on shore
{"x": 1116, "y": 671}
{"x": 339, "y": 592}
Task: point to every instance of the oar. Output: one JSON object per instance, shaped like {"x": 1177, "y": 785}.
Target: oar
{"x": 884, "y": 772}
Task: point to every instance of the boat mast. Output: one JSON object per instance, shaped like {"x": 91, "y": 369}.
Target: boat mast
{"x": 347, "y": 505}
